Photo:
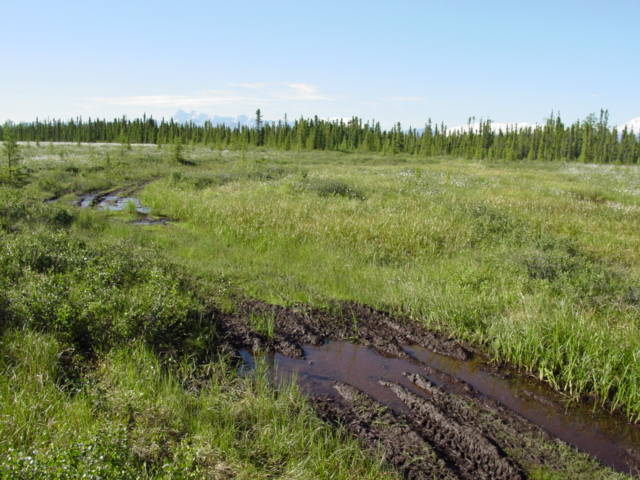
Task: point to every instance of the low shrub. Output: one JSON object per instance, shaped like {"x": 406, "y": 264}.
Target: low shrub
{"x": 334, "y": 188}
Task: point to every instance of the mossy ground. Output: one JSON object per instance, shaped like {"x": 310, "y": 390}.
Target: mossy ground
{"x": 536, "y": 263}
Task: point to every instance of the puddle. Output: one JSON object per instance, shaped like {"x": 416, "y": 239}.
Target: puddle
{"x": 115, "y": 203}
{"x": 248, "y": 363}
{"x": 609, "y": 438}
{"x": 87, "y": 200}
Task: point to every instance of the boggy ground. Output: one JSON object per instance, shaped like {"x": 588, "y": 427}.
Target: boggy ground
{"x": 291, "y": 328}
{"x": 536, "y": 264}
{"x": 447, "y": 431}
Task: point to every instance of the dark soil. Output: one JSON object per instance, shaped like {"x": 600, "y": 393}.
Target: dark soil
{"x": 380, "y": 428}
{"x": 426, "y": 444}
{"x": 471, "y": 453}
{"x": 298, "y": 326}
{"x": 445, "y": 429}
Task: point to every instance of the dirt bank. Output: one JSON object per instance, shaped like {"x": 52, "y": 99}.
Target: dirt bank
{"x": 298, "y": 326}
{"x": 374, "y": 375}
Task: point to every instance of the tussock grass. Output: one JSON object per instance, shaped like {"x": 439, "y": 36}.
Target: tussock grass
{"x": 536, "y": 263}
{"x": 108, "y": 368}
{"x": 470, "y": 248}
{"x": 137, "y": 419}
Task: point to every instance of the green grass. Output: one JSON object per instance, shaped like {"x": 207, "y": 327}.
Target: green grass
{"x": 109, "y": 367}
{"x": 506, "y": 256}
{"x": 538, "y": 264}
{"x": 134, "y": 419}
{"x": 264, "y": 323}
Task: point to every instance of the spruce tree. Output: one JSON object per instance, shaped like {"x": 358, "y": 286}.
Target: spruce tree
{"x": 176, "y": 152}
{"x": 259, "y": 132}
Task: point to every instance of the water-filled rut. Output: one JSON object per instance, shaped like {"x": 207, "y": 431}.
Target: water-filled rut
{"x": 425, "y": 403}
{"x": 121, "y": 200}
{"x": 607, "y": 437}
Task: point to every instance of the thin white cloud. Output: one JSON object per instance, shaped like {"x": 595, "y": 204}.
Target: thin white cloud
{"x": 302, "y": 88}
{"x": 261, "y": 94}
{"x": 170, "y": 100}
{"x": 304, "y": 91}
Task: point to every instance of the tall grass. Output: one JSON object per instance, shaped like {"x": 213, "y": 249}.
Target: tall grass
{"x": 137, "y": 419}
{"x": 465, "y": 247}
{"x": 538, "y": 264}
{"x": 109, "y": 367}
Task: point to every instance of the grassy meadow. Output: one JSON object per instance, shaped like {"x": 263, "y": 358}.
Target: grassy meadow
{"x": 537, "y": 264}
{"x": 109, "y": 364}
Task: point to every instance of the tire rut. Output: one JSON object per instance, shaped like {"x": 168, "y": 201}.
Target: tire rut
{"x": 473, "y": 455}
{"x": 354, "y": 365}
{"x": 385, "y": 433}
{"x": 297, "y": 326}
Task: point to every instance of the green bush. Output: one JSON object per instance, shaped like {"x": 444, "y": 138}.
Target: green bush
{"x": 97, "y": 296}
{"x": 334, "y": 188}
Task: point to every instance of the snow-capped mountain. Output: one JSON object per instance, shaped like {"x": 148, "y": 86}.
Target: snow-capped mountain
{"x": 633, "y": 125}
{"x": 199, "y": 118}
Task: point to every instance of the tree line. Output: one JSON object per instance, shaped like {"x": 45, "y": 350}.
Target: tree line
{"x": 591, "y": 140}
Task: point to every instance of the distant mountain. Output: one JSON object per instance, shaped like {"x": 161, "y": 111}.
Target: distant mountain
{"x": 200, "y": 118}
{"x": 633, "y": 125}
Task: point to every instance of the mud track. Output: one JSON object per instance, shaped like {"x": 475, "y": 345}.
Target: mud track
{"x": 425, "y": 444}
{"x": 117, "y": 200}
{"x": 425, "y": 422}
{"x": 299, "y": 326}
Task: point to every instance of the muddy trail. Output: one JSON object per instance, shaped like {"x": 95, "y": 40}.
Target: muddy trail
{"x": 430, "y": 406}
{"x": 118, "y": 200}
{"x": 121, "y": 199}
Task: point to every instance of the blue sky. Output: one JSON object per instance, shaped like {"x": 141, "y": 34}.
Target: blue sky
{"x": 393, "y": 61}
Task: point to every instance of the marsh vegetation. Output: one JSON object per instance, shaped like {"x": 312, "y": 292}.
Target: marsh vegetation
{"x": 114, "y": 363}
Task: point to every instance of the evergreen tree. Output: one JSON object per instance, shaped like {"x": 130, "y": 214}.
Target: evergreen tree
{"x": 259, "y": 132}
{"x": 588, "y": 141}
{"x": 176, "y": 152}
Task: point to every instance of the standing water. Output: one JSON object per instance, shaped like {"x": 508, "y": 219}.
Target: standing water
{"x": 609, "y": 438}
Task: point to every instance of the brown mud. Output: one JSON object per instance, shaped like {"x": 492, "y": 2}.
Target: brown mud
{"x": 298, "y": 326}
{"x": 114, "y": 200}
{"x": 120, "y": 199}
{"x": 423, "y": 402}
